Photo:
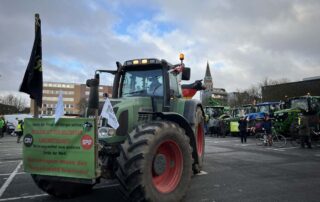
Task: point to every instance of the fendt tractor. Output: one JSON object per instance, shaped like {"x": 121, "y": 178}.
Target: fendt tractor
{"x": 153, "y": 153}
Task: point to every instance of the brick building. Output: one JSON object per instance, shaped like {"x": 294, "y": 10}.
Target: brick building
{"x": 292, "y": 89}
{"x": 73, "y": 94}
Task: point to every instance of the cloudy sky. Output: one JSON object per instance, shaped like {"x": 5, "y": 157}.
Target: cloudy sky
{"x": 243, "y": 41}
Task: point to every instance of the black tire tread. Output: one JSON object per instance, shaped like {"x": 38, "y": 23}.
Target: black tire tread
{"x": 199, "y": 120}
{"x": 132, "y": 156}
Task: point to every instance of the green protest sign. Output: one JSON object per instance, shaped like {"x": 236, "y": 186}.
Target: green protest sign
{"x": 65, "y": 149}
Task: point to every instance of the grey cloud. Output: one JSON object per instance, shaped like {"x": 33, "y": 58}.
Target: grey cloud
{"x": 253, "y": 39}
{"x": 281, "y": 36}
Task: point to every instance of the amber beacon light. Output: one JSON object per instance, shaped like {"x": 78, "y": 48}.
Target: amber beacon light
{"x": 181, "y": 56}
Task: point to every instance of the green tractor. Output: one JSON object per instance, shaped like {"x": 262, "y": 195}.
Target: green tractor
{"x": 286, "y": 119}
{"x": 153, "y": 153}
{"x": 220, "y": 119}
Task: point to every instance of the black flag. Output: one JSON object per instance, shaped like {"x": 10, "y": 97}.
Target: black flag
{"x": 32, "y": 80}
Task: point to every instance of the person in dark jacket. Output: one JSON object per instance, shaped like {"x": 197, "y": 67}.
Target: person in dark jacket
{"x": 304, "y": 131}
{"x": 243, "y": 129}
{"x": 267, "y": 126}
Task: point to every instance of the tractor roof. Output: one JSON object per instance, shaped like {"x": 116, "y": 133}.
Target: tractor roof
{"x": 267, "y": 103}
{"x": 304, "y": 97}
{"x": 215, "y": 107}
{"x": 145, "y": 61}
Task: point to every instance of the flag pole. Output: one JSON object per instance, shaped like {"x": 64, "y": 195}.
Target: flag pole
{"x": 35, "y": 109}
{"x": 35, "y": 104}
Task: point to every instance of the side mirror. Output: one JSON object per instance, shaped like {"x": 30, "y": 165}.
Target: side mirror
{"x": 186, "y": 74}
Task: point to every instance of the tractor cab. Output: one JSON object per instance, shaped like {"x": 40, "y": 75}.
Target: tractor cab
{"x": 214, "y": 111}
{"x": 309, "y": 104}
{"x": 150, "y": 80}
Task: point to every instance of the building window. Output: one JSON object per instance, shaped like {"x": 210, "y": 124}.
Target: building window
{"x": 67, "y": 99}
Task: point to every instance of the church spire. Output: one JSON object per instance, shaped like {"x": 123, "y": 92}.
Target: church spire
{"x": 208, "y": 83}
{"x": 208, "y": 73}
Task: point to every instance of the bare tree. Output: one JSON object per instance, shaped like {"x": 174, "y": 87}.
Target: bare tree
{"x": 239, "y": 98}
{"x": 253, "y": 94}
{"x": 267, "y": 82}
{"x": 15, "y": 101}
{"x": 82, "y": 105}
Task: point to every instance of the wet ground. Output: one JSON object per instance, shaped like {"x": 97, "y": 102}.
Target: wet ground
{"x": 232, "y": 172}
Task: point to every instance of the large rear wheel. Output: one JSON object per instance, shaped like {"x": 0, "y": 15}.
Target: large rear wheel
{"x": 200, "y": 140}
{"x": 61, "y": 189}
{"x": 155, "y": 162}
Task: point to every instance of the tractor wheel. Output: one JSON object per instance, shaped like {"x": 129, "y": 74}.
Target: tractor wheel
{"x": 199, "y": 137}
{"x": 61, "y": 189}
{"x": 155, "y": 163}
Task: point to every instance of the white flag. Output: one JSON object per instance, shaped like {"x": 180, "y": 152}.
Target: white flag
{"x": 108, "y": 113}
{"x": 59, "y": 108}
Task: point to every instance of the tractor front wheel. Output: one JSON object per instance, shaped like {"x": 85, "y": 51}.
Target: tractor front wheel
{"x": 155, "y": 163}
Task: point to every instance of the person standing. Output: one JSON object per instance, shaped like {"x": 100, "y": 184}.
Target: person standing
{"x": 210, "y": 126}
{"x": 304, "y": 131}
{"x": 2, "y": 124}
{"x": 19, "y": 130}
{"x": 243, "y": 129}
{"x": 267, "y": 126}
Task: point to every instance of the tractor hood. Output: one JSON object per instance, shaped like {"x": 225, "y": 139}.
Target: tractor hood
{"x": 286, "y": 111}
{"x": 127, "y": 112}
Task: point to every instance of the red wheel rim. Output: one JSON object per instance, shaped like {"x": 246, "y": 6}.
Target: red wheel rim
{"x": 200, "y": 138}
{"x": 170, "y": 178}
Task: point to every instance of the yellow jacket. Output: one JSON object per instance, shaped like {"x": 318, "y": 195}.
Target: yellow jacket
{"x": 19, "y": 127}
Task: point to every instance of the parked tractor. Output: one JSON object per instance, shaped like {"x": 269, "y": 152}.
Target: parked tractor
{"x": 153, "y": 153}
{"x": 286, "y": 119}
{"x": 255, "y": 119}
{"x": 218, "y": 120}
{"x": 235, "y": 114}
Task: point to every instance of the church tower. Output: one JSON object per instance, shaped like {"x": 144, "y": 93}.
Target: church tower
{"x": 208, "y": 83}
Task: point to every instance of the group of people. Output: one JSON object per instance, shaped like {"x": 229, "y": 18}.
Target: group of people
{"x": 18, "y": 129}
{"x": 266, "y": 127}
{"x": 303, "y": 127}
{"x": 215, "y": 126}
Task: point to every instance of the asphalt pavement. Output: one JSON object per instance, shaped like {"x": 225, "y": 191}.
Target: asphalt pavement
{"x": 232, "y": 172}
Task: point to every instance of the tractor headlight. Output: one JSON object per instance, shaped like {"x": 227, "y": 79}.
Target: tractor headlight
{"x": 106, "y": 132}
{"x": 112, "y": 132}
{"x": 103, "y": 132}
